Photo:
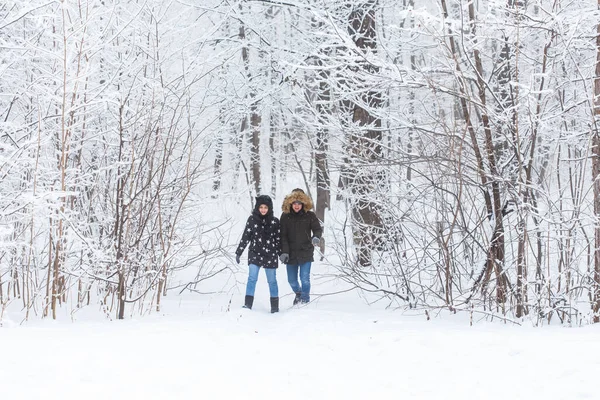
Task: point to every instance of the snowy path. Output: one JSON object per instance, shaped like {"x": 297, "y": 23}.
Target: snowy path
{"x": 310, "y": 353}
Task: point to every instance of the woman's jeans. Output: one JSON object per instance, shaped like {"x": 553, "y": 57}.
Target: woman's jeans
{"x": 292, "y": 273}
{"x": 253, "y": 277}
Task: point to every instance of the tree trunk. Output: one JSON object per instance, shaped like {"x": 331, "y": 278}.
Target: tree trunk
{"x": 218, "y": 164}
{"x": 255, "y": 117}
{"x": 596, "y": 178}
{"x": 323, "y": 181}
{"x": 273, "y": 150}
{"x": 365, "y": 139}
{"x": 120, "y": 217}
{"x": 508, "y": 128}
{"x": 495, "y": 260}
{"x": 255, "y": 123}
{"x": 324, "y": 111}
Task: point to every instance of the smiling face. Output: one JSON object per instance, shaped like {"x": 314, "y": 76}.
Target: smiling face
{"x": 263, "y": 209}
{"x": 296, "y": 206}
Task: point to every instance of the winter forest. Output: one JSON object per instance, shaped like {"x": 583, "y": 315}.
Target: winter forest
{"x": 451, "y": 147}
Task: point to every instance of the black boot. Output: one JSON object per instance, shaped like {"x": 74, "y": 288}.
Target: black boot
{"x": 297, "y": 298}
{"x": 248, "y": 302}
{"x": 274, "y": 304}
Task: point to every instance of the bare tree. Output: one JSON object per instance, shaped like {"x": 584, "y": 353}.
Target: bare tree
{"x": 595, "y": 143}
{"x": 365, "y": 137}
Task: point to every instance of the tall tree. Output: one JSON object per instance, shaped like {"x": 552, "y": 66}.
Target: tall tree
{"x": 365, "y": 142}
{"x": 595, "y": 142}
{"x": 253, "y": 103}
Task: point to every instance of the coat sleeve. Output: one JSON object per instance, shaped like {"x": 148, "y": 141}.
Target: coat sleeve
{"x": 246, "y": 237}
{"x": 278, "y": 238}
{"x": 315, "y": 226}
{"x": 285, "y": 244}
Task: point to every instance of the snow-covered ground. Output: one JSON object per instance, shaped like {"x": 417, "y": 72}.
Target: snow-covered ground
{"x": 334, "y": 348}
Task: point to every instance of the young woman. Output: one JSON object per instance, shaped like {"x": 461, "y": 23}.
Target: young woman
{"x": 263, "y": 233}
{"x": 300, "y": 232}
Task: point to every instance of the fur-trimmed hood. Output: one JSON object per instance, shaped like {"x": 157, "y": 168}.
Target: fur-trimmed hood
{"x": 296, "y": 195}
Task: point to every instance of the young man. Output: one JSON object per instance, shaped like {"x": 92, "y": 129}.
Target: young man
{"x": 300, "y": 232}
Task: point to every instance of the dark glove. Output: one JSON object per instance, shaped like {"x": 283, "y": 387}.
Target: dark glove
{"x": 237, "y": 258}
{"x": 316, "y": 241}
{"x": 284, "y": 258}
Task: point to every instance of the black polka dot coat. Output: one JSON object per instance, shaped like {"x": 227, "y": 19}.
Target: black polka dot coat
{"x": 263, "y": 234}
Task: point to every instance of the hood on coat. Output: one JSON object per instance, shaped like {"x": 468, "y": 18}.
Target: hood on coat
{"x": 266, "y": 200}
{"x": 296, "y": 195}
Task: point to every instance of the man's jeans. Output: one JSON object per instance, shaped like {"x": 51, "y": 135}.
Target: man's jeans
{"x": 292, "y": 273}
{"x": 253, "y": 277}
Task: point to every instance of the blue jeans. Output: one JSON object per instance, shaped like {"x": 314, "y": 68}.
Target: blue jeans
{"x": 253, "y": 277}
{"x": 292, "y": 273}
